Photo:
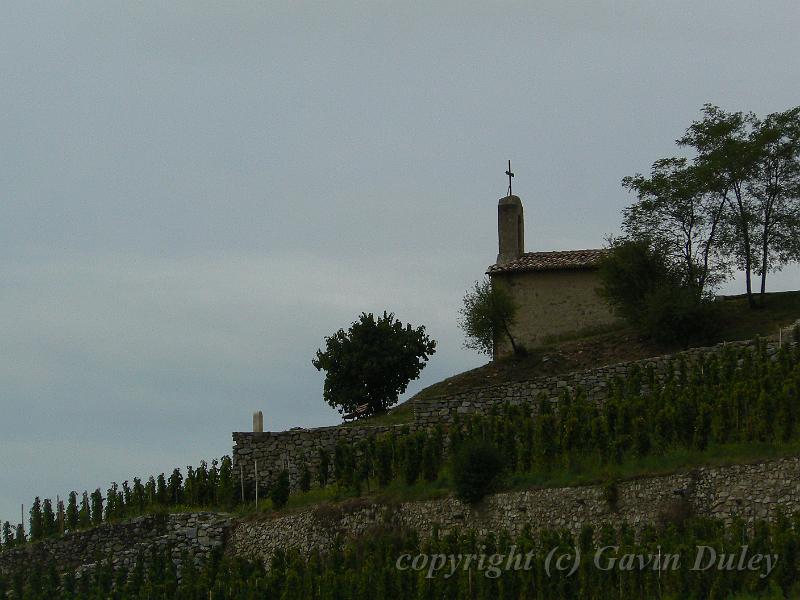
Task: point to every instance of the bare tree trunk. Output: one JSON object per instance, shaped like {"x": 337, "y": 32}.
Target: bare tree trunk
{"x": 764, "y": 249}
{"x": 511, "y": 339}
{"x": 745, "y": 231}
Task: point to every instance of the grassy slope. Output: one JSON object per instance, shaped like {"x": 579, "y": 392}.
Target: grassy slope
{"x": 739, "y": 322}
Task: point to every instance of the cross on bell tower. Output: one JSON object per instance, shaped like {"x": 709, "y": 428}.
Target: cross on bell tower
{"x": 510, "y": 175}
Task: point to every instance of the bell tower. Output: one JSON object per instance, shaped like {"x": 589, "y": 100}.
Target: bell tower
{"x": 510, "y": 225}
{"x": 510, "y": 229}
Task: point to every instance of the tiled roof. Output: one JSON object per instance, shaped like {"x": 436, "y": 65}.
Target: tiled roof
{"x": 551, "y": 261}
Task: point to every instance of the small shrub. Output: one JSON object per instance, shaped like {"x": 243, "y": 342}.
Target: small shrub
{"x": 279, "y": 494}
{"x": 305, "y": 475}
{"x": 673, "y": 314}
{"x": 477, "y": 467}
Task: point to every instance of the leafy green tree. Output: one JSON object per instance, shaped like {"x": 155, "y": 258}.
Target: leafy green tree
{"x": 727, "y": 159}
{"x": 487, "y": 315}
{"x": 676, "y": 213}
{"x": 775, "y": 188}
{"x": 372, "y": 363}
{"x": 753, "y": 165}
{"x": 279, "y": 494}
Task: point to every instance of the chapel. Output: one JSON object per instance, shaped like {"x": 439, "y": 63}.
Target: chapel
{"x": 556, "y": 293}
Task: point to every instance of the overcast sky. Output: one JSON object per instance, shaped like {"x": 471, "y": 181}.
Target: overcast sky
{"x": 194, "y": 195}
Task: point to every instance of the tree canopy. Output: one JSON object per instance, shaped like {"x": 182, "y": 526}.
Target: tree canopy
{"x": 372, "y": 363}
{"x": 735, "y": 203}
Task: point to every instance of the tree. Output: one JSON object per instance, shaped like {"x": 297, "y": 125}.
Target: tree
{"x": 753, "y": 165}
{"x": 736, "y": 202}
{"x": 487, "y": 315}
{"x": 776, "y": 190}
{"x": 676, "y": 213}
{"x": 727, "y": 160}
{"x": 372, "y": 363}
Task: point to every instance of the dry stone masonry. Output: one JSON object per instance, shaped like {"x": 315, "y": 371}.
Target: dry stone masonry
{"x": 742, "y": 491}
{"x": 268, "y": 453}
{"x": 186, "y": 534}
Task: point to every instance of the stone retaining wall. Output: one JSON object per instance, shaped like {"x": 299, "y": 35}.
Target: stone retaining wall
{"x": 747, "y": 491}
{"x": 195, "y": 534}
{"x": 275, "y": 451}
{"x": 267, "y": 454}
{"x": 594, "y": 382}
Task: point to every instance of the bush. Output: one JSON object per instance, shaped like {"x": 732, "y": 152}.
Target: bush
{"x": 477, "y": 467}
{"x": 279, "y": 494}
{"x": 675, "y": 315}
{"x": 638, "y": 282}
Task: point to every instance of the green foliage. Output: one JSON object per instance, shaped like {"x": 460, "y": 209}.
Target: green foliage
{"x": 279, "y": 494}
{"x": 48, "y": 518}
{"x": 71, "y": 520}
{"x": 737, "y": 203}
{"x": 367, "y": 568}
{"x": 372, "y": 363}
{"x": 487, "y": 315}
{"x": 631, "y": 271}
{"x": 476, "y": 468}
{"x": 715, "y": 407}
{"x": 673, "y": 314}
{"x": 676, "y": 213}
{"x": 643, "y": 288}
{"x": 37, "y": 524}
